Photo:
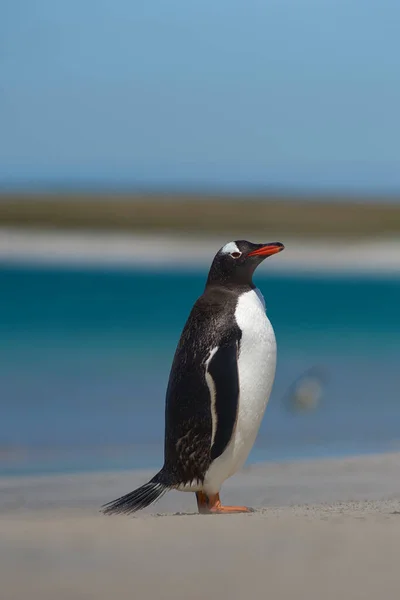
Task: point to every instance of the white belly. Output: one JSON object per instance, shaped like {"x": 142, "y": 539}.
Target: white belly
{"x": 256, "y": 365}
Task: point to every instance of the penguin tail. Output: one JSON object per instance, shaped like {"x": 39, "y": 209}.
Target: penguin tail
{"x": 139, "y": 498}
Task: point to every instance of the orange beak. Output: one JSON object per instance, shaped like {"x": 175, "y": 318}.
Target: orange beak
{"x": 268, "y": 249}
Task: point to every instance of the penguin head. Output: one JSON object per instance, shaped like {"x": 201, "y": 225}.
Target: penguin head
{"x": 236, "y": 262}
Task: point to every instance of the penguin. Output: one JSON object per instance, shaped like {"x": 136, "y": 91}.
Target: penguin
{"x": 219, "y": 385}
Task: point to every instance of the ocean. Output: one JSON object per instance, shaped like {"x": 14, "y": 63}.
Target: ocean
{"x": 85, "y": 355}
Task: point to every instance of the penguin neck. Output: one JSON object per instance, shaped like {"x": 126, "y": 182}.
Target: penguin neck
{"x": 228, "y": 281}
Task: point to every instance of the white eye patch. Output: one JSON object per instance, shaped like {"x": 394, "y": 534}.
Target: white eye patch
{"x": 229, "y": 248}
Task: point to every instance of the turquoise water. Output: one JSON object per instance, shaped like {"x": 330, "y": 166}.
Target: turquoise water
{"x": 85, "y": 358}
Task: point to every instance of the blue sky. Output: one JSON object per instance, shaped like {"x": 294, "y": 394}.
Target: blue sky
{"x": 284, "y": 93}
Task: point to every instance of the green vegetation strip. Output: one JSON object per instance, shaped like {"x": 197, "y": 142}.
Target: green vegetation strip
{"x": 203, "y": 215}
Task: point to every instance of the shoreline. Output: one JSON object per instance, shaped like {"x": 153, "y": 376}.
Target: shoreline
{"x": 97, "y": 469}
{"x": 149, "y": 251}
{"x": 359, "y": 478}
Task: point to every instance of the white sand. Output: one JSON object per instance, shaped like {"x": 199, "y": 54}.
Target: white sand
{"x": 95, "y": 248}
{"x": 323, "y": 529}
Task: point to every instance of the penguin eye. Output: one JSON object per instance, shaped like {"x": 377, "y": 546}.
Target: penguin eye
{"x": 236, "y": 254}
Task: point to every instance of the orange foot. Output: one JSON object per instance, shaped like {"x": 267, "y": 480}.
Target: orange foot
{"x": 212, "y": 505}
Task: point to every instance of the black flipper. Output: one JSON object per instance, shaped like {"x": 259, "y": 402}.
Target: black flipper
{"x": 139, "y": 498}
{"x": 223, "y": 369}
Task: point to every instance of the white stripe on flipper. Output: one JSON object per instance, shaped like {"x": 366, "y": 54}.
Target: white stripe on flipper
{"x": 213, "y": 396}
{"x": 229, "y": 248}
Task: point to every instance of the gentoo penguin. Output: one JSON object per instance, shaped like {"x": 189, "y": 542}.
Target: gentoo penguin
{"x": 219, "y": 385}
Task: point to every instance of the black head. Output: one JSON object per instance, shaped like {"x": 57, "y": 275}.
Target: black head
{"x": 236, "y": 262}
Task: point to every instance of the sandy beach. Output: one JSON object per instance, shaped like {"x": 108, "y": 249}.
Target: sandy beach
{"x": 322, "y": 529}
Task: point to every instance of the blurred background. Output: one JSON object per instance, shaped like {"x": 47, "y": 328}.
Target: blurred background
{"x": 139, "y": 137}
